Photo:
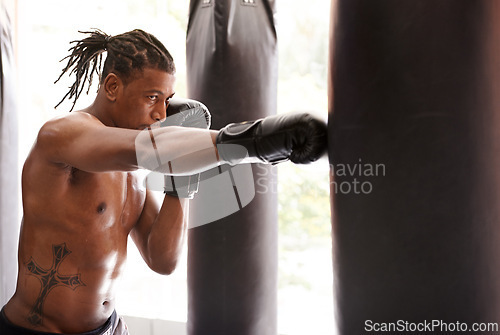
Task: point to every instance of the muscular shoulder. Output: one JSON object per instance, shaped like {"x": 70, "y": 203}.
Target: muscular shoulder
{"x": 62, "y": 127}
{"x": 59, "y": 131}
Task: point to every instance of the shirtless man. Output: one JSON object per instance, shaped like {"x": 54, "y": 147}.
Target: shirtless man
{"x": 82, "y": 199}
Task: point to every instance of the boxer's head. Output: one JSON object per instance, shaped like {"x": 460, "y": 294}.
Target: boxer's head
{"x": 128, "y": 54}
{"x": 135, "y": 51}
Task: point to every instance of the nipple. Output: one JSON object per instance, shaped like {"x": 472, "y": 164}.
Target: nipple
{"x": 101, "y": 208}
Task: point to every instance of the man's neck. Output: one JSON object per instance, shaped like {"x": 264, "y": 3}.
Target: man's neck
{"x": 100, "y": 109}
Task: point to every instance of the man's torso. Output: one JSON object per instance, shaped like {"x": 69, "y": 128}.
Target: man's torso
{"x": 72, "y": 245}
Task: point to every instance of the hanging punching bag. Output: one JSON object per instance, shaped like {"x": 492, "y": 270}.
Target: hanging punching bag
{"x": 9, "y": 220}
{"x": 414, "y": 124}
{"x": 232, "y": 262}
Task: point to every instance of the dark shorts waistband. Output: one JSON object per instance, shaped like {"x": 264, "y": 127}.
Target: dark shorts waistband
{"x": 7, "y": 328}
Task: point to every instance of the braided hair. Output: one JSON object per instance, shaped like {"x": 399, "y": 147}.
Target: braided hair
{"x": 126, "y": 54}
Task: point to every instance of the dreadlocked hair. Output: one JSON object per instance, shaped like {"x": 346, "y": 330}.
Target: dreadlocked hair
{"x": 126, "y": 54}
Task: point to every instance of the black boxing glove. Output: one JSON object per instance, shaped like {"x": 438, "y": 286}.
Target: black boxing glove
{"x": 184, "y": 113}
{"x": 187, "y": 113}
{"x": 298, "y": 137}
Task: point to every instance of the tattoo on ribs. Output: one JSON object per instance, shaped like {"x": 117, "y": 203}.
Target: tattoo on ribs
{"x": 50, "y": 278}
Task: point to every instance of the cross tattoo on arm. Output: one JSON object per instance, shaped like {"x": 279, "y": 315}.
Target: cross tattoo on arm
{"x": 50, "y": 278}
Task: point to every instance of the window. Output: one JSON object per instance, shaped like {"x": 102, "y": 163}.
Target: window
{"x": 305, "y": 278}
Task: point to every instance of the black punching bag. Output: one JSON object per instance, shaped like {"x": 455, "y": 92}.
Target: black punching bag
{"x": 232, "y": 262}
{"x": 9, "y": 220}
{"x": 415, "y": 114}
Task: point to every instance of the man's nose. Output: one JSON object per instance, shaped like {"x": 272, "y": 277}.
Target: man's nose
{"x": 160, "y": 113}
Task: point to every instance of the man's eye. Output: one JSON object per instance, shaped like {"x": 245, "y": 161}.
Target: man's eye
{"x": 153, "y": 97}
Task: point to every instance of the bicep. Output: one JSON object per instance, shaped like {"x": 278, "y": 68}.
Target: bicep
{"x": 159, "y": 233}
{"x": 140, "y": 232}
{"x": 88, "y": 145}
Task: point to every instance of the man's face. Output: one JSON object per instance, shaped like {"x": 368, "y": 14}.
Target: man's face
{"x": 144, "y": 100}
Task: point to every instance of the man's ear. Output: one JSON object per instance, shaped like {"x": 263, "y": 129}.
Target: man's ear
{"x": 111, "y": 85}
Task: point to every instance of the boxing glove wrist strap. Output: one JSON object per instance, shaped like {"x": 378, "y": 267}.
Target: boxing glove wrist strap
{"x": 246, "y": 142}
{"x": 182, "y": 186}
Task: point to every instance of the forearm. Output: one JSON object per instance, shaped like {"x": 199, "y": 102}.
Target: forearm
{"x": 177, "y": 150}
{"x": 167, "y": 235}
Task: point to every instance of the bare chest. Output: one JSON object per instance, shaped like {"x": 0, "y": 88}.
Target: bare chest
{"x": 105, "y": 199}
